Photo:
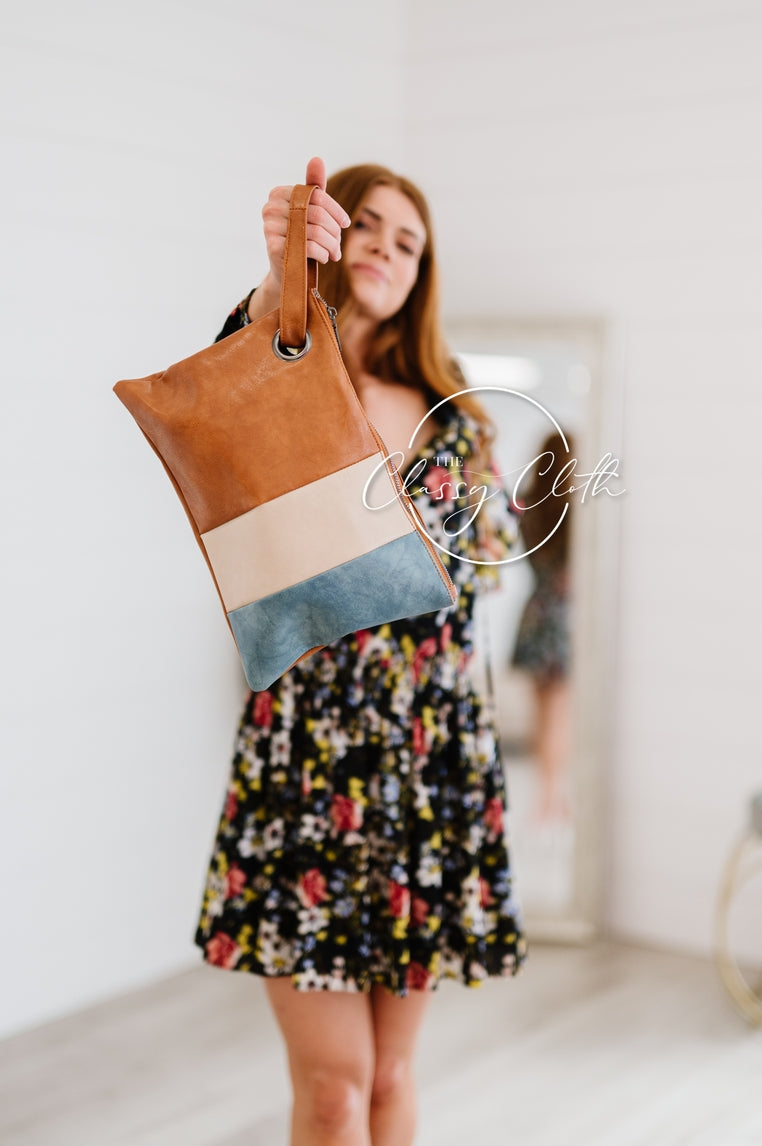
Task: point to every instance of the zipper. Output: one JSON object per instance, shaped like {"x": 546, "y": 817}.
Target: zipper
{"x": 332, "y": 312}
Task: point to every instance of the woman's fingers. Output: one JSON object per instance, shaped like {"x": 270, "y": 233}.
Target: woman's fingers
{"x": 324, "y": 224}
{"x": 319, "y": 252}
{"x": 325, "y": 220}
{"x": 334, "y": 209}
{"x": 323, "y": 227}
{"x": 315, "y": 172}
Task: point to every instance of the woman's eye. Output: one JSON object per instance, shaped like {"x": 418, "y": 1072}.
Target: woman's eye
{"x": 359, "y": 224}
{"x": 407, "y": 250}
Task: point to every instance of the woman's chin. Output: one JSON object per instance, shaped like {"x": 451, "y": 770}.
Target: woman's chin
{"x": 370, "y": 300}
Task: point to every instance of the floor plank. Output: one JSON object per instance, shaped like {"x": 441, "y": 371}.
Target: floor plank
{"x": 606, "y": 1045}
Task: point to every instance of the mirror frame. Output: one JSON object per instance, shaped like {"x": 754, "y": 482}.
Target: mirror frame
{"x": 595, "y": 574}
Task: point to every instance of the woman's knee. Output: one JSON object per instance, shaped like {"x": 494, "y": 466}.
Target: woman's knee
{"x": 390, "y": 1078}
{"x": 336, "y": 1100}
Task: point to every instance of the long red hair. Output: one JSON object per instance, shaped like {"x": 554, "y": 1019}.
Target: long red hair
{"x": 409, "y": 347}
{"x": 538, "y": 522}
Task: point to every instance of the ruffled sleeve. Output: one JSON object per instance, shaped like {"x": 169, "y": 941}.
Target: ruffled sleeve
{"x": 237, "y": 319}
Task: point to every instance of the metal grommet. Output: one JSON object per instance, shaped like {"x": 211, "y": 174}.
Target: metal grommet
{"x": 289, "y": 354}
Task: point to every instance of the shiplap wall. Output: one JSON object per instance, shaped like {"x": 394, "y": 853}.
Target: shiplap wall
{"x": 604, "y": 159}
{"x": 139, "y": 143}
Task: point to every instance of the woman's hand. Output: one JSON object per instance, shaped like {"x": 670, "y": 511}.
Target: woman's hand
{"x": 325, "y": 219}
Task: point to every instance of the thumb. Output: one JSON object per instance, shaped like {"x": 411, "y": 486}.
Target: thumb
{"x": 315, "y": 173}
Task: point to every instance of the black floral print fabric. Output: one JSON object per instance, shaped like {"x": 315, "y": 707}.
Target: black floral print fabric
{"x": 363, "y": 834}
{"x": 543, "y": 639}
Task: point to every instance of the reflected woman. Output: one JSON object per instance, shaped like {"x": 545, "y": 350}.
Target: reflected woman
{"x": 543, "y": 644}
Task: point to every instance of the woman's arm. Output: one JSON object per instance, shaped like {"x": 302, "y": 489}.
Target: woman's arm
{"x": 325, "y": 219}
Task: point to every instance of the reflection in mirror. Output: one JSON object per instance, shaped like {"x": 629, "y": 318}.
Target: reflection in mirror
{"x": 542, "y": 642}
{"x": 538, "y": 637}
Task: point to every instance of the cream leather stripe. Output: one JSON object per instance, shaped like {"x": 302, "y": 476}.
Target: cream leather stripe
{"x": 303, "y": 533}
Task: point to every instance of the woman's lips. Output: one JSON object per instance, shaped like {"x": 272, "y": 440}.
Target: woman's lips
{"x": 367, "y": 269}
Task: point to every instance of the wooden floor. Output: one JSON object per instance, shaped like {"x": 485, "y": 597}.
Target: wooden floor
{"x": 601, "y": 1046}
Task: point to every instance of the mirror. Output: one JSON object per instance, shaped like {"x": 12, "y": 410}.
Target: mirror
{"x": 546, "y": 643}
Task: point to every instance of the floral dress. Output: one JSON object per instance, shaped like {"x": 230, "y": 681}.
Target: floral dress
{"x": 363, "y": 838}
{"x": 543, "y": 639}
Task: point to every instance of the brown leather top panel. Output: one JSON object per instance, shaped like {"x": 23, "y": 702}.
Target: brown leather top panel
{"x": 238, "y": 426}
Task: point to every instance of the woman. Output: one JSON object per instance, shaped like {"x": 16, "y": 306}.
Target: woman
{"x": 360, "y": 855}
{"x": 543, "y": 639}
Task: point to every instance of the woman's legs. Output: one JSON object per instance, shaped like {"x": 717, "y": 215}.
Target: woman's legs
{"x": 396, "y": 1023}
{"x": 351, "y": 1063}
{"x": 329, "y": 1037}
{"x": 551, "y": 745}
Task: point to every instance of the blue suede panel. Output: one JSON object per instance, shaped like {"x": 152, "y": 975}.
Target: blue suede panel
{"x": 394, "y": 581}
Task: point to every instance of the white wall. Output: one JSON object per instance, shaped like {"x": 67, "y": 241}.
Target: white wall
{"x": 140, "y": 142}
{"x": 582, "y": 158}
{"x": 603, "y": 159}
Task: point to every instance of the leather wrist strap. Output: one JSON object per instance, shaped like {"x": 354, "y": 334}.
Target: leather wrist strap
{"x": 299, "y": 272}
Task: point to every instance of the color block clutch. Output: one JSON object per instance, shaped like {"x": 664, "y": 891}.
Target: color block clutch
{"x": 276, "y": 464}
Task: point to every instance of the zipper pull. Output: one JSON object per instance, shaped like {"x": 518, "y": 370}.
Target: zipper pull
{"x": 332, "y": 312}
